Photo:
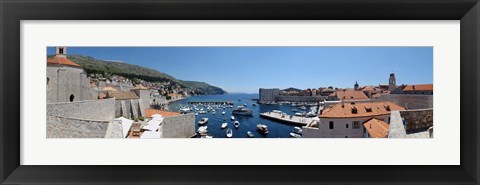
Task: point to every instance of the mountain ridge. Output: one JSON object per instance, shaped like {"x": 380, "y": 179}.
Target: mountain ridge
{"x": 99, "y": 66}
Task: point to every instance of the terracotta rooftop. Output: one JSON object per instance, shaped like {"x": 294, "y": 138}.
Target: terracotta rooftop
{"x": 419, "y": 87}
{"x": 349, "y": 94}
{"x": 62, "y": 61}
{"x": 150, "y": 112}
{"x": 376, "y": 128}
{"x": 364, "y": 109}
{"x": 122, "y": 95}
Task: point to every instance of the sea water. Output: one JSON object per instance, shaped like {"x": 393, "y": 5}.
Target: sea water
{"x": 247, "y": 123}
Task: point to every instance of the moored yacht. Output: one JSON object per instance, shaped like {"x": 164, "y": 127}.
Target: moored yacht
{"x": 242, "y": 111}
{"x": 263, "y": 129}
{"x": 203, "y": 121}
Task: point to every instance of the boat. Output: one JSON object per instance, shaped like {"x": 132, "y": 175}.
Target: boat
{"x": 213, "y": 112}
{"x": 224, "y": 125}
{"x": 229, "y": 132}
{"x": 242, "y": 111}
{"x": 203, "y": 121}
{"x": 202, "y": 130}
{"x": 185, "y": 110}
{"x": 196, "y": 113}
{"x": 250, "y": 134}
{"x": 223, "y": 113}
{"x": 236, "y": 124}
{"x": 254, "y": 104}
{"x": 232, "y": 118}
{"x": 297, "y": 130}
{"x": 294, "y": 110}
{"x": 263, "y": 129}
{"x": 207, "y": 136}
{"x": 303, "y": 107}
{"x": 293, "y": 135}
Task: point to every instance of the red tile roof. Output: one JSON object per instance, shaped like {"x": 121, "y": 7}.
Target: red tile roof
{"x": 376, "y": 128}
{"x": 150, "y": 112}
{"x": 419, "y": 87}
{"x": 349, "y": 95}
{"x": 363, "y": 109}
{"x": 62, "y": 61}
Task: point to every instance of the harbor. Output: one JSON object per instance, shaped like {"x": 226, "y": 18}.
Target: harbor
{"x": 222, "y": 119}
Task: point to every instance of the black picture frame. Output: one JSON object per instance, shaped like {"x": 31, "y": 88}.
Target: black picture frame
{"x": 13, "y": 11}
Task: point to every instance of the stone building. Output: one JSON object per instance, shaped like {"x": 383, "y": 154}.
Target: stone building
{"x": 347, "y": 120}
{"x": 392, "y": 82}
{"x": 268, "y": 95}
{"x": 347, "y": 94}
{"x": 174, "y": 124}
{"x": 66, "y": 80}
{"x": 127, "y": 104}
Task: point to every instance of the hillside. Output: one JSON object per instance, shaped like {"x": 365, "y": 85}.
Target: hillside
{"x": 96, "y": 66}
{"x": 292, "y": 89}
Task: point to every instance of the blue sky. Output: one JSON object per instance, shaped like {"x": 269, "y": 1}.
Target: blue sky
{"x": 245, "y": 69}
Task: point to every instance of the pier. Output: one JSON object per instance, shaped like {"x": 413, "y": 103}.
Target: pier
{"x": 211, "y": 102}
{"x": 289, "y": 119}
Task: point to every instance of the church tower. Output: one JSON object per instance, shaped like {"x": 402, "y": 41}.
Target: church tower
{"x": 61, "y": 51}
{"x": 392, "y": 82}
{"x": 356, "y": 85}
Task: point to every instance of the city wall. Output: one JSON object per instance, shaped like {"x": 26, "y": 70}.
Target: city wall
{"x": 103, "y": 109}
{"x": 409, "y": 101}
{"x": 416, "y": 120}
{"x": 64, "y": 127}
{"x": 180, "y": 126}
{"x": 300, "y": 98}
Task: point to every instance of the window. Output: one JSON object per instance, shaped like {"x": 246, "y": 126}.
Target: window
{"x": 72, "y": 97}
{"x": 356, "y": 124}
{"x": 330, "y": 125}
{"x": 346, "y": 126}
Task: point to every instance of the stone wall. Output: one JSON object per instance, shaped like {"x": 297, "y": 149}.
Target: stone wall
{"x": 300, "y": 98}
{"x": 129, "y": 108}
{"x": 63, "y": 127}
{"x": 417, "y": 120}
{"x": 180, "y": 126}
{"x": 65, "y": 82}
{"x": 103, "y": 109}
{"x": 409, "y": 101}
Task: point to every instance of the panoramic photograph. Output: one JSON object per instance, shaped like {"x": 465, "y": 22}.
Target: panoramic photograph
{"x": 239, "y": 92}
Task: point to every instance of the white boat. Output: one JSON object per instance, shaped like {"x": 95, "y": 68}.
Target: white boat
{"x": 232, "y": 118}
{"x": 293, "y": 135}
{"x": 203, "y": 121}
{"x": 213, "y": 112}
{"x": 263, "y": 129}
{"x": 229, "y": 132}
{"x": 185, "y": 110}
{"x": 242, "y": 111}
{"x": 223, "y": 113}
{"x": 208, "y": 137}
{"x": 196, "y": 113}
{"x": 250, "y": 134}
{"x": 224, "y": 125}
{"x": 236, "y": 124}
{"x": 202, "y": 130}
{"x": 297, "y": 130}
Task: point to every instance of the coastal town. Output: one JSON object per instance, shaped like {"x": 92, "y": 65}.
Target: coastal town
{"x": 87, "y": 104}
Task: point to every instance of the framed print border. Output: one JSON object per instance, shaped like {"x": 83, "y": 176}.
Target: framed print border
{"x": 14, "y": 11}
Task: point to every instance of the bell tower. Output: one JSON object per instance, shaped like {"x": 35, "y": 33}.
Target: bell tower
{"x": 61, "y": 51}
{"x": 356, "y": 85}
{"x": 392, "y": 82}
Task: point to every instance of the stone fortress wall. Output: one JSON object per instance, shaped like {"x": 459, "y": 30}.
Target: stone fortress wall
{"x": 103, "y": 109}
{"x": 409, "y": 101}
{"x": 415, "y": 120}
{"x": 64, "y": 127}
{"x": 300, "y": 98}
{"x": 179, "y": 126}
